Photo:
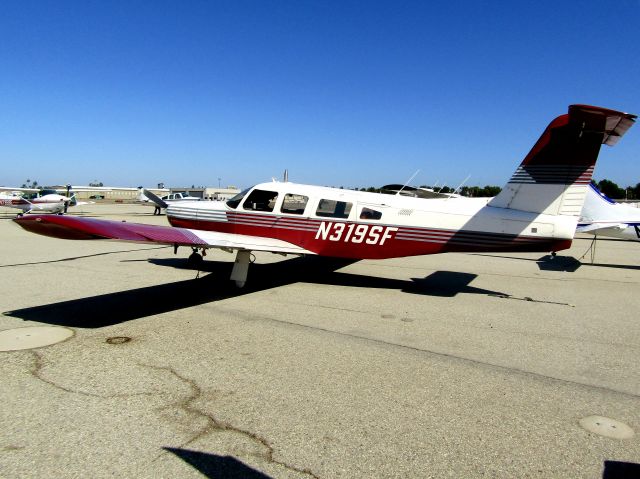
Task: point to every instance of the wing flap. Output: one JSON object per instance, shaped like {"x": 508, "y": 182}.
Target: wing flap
{"x": 252, "y": 243}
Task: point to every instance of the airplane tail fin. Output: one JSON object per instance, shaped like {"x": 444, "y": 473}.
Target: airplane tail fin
{"x": 554, "y": 177}
{"x": 141, "y": 197}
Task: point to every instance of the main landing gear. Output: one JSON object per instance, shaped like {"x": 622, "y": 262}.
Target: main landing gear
{"x": 195, "y": 258}
{"x": 240, "y": 269}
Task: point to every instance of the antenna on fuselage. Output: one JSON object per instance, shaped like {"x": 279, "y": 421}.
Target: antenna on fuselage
{"x": 285, "y": 177}
{"x": 460, "y": 186}
{"x": 407, "y": 182}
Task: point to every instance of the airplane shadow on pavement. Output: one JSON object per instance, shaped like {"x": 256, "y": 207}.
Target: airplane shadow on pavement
{"x": 620, "y": 470}
{"x": 115, "y": 308}
{"x": 214, "y": 466}
{"x": 567, "y": 264}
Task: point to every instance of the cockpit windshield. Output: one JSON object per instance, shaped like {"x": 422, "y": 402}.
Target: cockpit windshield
{"x": 235, "y": 201}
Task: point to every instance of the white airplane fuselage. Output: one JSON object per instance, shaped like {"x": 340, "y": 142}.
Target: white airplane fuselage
{"x": 51, "y": 203}
{"x": 374, "y": 225}
{"x": 602, "y": 216}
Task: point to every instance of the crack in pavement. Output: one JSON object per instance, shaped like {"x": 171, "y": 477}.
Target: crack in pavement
{"x": 36, "y": 372}
{"x": 186, "y": 404}
{"x": 213, "y": 423}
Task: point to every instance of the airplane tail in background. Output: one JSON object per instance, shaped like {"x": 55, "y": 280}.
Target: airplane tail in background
{"x": 141, "y": 196}
{"x": 554, "y": 177}
{"x": 600, "y": 212}
{"x": 157, "y": 200}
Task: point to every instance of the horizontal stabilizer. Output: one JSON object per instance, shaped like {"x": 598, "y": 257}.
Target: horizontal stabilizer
{"x": 592, "y": 227}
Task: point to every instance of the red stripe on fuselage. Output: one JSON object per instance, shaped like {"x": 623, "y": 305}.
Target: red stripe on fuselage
{"x": 367, "y": 240}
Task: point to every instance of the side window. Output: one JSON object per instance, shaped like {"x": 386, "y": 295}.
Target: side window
{"x": 294, "y": 204}
{"x": 333, "y": 209}
{"x": 369, "y": 214}
{"x": 261, "y": 200}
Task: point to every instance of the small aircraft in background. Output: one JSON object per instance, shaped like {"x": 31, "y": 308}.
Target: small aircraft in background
{"x": 537, "y": 210}
{"x": 47, "y": 201}
{"x": 177, "y": 197}
{"x": 165, "y": 201}
{"x": 601, "y": 216}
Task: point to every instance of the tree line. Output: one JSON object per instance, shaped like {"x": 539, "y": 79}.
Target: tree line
{"x": 608, "y": 187}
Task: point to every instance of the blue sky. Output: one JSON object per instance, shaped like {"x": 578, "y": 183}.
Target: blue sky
{"x": 340, "y": 93}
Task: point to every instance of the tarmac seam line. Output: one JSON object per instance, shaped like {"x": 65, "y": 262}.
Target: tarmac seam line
{"x": 443, "y": 355}
{"x": 73, "y": 258}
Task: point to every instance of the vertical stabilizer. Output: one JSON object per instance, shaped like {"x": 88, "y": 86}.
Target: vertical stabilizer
{"x": 554, "y": 177}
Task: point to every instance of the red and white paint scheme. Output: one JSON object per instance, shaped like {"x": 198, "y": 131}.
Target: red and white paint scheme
{"x": 51, "y": 203}
{"x": 537, "y": 210}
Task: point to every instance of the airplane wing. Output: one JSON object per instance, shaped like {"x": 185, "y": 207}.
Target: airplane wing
{"x": 23, "y": 190}
{"x": 70, "y": 227}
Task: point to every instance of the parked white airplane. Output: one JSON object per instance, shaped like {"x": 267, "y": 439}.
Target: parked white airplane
{"x": 165, "y": 201}
{"x": 537, "y": 210}
{"x": 47, "y": 203}
{"x": 601, "y": 216}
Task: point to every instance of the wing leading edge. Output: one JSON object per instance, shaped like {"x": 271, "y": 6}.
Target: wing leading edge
{"x": 69, "y": 227}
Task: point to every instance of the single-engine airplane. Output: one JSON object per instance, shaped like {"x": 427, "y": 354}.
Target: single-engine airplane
{"x": 45, "y": 203}
{"x": 537, "y": 210}
{"x": 601, "y": 216}
{"x": 165, "y": 201}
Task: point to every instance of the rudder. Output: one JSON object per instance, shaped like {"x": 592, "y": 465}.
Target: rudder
{"x": 554, "y": 176}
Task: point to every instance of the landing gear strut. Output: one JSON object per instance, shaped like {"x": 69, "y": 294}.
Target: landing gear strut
{"x": 241, "y": 268}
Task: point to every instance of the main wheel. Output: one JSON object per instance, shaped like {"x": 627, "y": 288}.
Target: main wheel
{"x": 195, "y": 259}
